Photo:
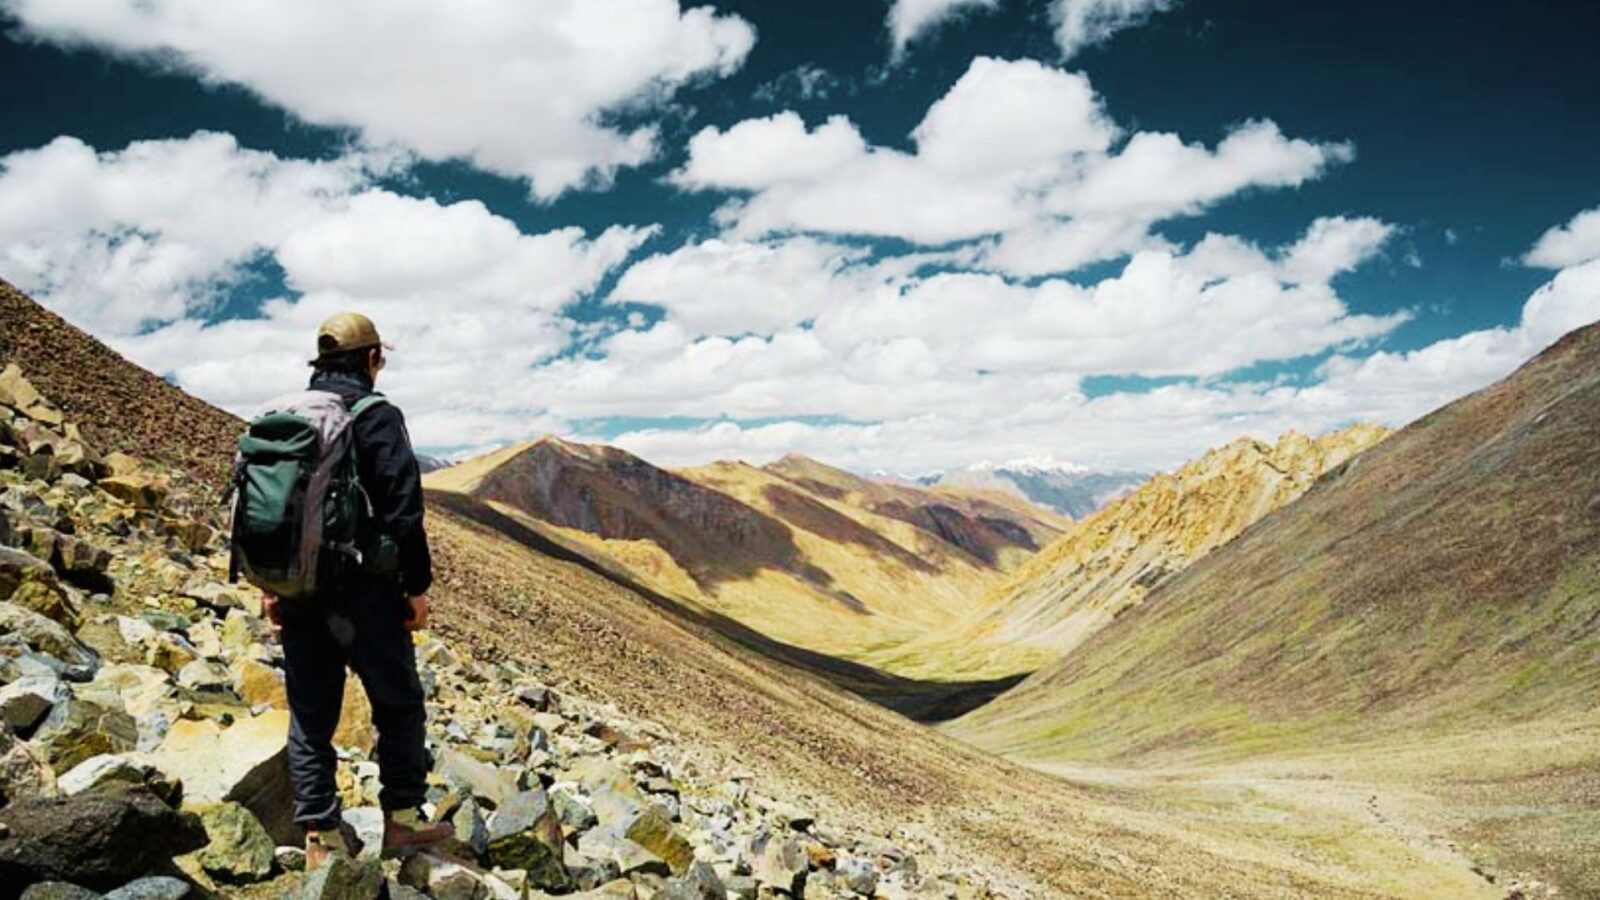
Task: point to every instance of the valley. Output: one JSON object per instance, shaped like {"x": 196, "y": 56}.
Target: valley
{"x": 1362, "y": 667}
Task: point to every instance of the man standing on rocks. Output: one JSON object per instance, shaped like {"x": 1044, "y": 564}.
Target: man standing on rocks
{"x": 364, "y": 623}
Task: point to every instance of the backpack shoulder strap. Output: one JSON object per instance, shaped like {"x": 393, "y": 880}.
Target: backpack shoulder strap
{"x": 366, "y": 403}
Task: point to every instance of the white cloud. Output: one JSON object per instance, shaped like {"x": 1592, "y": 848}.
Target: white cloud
{"x": 1576, "y": 242}
{"x": 911, "y": 19}
{"x": 518, "y": 87}
{"x": 1084, "y": 23}
{"x": 470, "y": 300}
{"x": 1018, "y": 154}
{"x": 804, "y": 328}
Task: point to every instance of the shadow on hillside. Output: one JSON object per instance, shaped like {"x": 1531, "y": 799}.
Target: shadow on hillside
{"x": 922, "y": 701}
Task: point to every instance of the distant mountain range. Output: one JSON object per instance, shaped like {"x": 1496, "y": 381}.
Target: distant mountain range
{"x": 1068, "y": 488}
{"x": 809, "y": 554}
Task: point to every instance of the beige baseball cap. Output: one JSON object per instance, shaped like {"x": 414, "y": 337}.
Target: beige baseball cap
{"x": 348, "y": 331}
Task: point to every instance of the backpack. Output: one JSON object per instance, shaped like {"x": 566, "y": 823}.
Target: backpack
{"x": 298, "y": 504}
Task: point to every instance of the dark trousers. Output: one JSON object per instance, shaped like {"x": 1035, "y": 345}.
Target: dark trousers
{"x": 364, "y": 628}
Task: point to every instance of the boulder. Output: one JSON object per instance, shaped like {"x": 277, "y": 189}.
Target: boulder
{"x": 142, "y": 689}
{"x": 246, "y": 763}
{"x": 355, "y": 719}
{"x": 652, "y": 829}
{"x": 169, "y": 652}
{"x": 30, "y": 583}
{"x": 341, "y": 878}
{"x": 259, "y": 684}
{"x": 443, "y": 878}
{"x": 82, "y": 563}
{"x": 486, "y": 781}
{"x": 204, "y": 675}
{"x": 464, "y": 814}
{"x": 240, "y": 850}
{"x": 100, "y": 839}
{"x": 777, "y": 861}
{"x": 23, "y": 772}
{"x": 107, "y": 768}
{"x": 104, "y": 635}
{"x": 524, "y": 833}
{"x": 140, "y": 490}
{"x": 82, "y": 725}
{"x": 859, "y": 875}
{"x": 73, "y": 660}
{"x": 26, "y": 701}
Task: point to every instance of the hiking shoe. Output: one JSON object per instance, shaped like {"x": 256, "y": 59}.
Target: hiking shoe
{"x": 405, "y": 832}
{"x": 321, "y": 844}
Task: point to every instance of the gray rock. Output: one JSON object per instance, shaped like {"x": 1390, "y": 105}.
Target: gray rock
{"x": 205, "y": 675}
{"x": 240, "y": 851}
{"x": 524, "y": 833}
{"x": 155, "y": 887}
{"x": 368, "y": 823}
{"x": 82, "y": 726}
{"x": 777, "y": 861}
{"x": 344, "y": 879}
{"x": 443, "y": 878}
{"x": 76, "y": 662}
{"x": 102, "y": 769}
{"x": 99, "y": 839}
{"x": 859, "y": 875}
{"x": 575, "y": 815}
{"x": 24, "y": 702}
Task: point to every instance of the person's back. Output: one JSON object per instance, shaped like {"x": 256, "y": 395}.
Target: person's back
{"x": 364, "y": 620}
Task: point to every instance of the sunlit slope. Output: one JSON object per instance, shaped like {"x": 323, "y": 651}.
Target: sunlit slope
{"x": 1447, "y": 580}
{"x": 1112, "y": 559}
{"x": 865, "y": 766}
{"x": 826, "y": 571}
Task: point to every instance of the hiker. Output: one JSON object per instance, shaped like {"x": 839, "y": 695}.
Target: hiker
{"x": 362, "y": 618}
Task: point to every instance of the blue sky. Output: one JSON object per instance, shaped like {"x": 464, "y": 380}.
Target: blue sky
{"x": 1112, "y": 231}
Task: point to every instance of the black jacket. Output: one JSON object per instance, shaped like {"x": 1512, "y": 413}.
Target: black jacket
{"x": 389, "y": 474}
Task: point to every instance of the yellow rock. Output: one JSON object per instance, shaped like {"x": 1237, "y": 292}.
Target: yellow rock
{"x": 258, "y": 683}
{"x": 355, "y": 720}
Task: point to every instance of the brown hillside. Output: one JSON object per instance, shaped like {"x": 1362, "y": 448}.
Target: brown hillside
{"x": 801, "y": 562}
{"x": 1112, "y": 559}
{"x": 1440, "y": 594}
{"x": 989, "y": 525}
{"x": 118, "y": 405}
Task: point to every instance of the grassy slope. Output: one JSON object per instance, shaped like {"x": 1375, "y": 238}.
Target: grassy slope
{"x": 1443, "y": 591}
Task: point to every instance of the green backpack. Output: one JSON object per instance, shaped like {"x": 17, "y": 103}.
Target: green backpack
{"x": 299, "y": 511}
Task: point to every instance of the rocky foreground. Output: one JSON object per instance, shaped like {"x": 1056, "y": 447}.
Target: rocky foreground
{"x": 142, "y": 724}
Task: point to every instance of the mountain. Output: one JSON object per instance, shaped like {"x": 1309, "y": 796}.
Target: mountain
{"x": 804, "y": 553}
{"x": 433, "y": 463}
{"x": 1425, "y": 614}
{"x": 118, "y": 405}
{"x": 1072, "y": 490}
{"x": 715, "y": 709}
{"x": 1109, "y": 561}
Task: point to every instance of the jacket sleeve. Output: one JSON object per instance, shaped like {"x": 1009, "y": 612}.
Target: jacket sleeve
{"x": 391, "y": 477}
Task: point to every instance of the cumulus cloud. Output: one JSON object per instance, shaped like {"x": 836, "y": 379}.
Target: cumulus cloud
{"x": 911, "y": 19}
{"x": 1084, "y": 23}
{"x": 1576, "y": 242}
{"x": 1018, "y": 155}
{"x": 518, "y": 87}
{"x": 136, "y": 244}
{"x": 804, "y": 329}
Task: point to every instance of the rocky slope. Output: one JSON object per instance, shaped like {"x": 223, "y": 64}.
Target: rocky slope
{"x": 142, "y": 698}
{"x": 805, "y": 554}
{"x": 118, "y": 406}
{"x": 1109, "y": 561}
{"x": 1441, "y": 594}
